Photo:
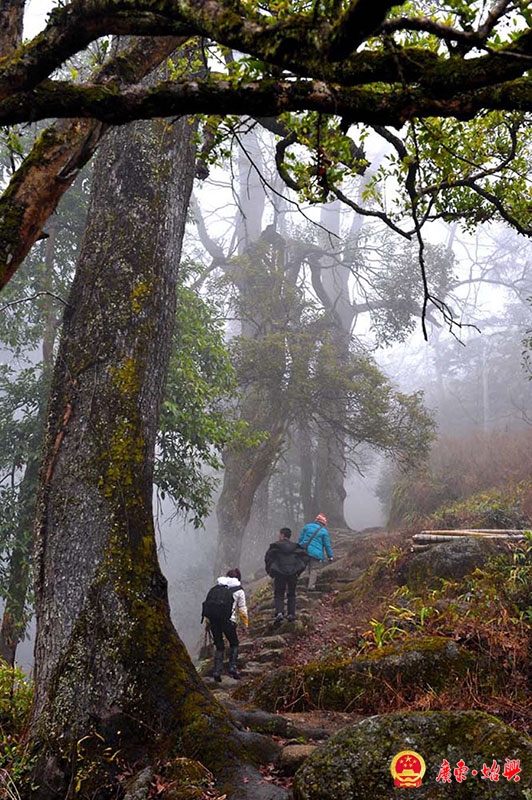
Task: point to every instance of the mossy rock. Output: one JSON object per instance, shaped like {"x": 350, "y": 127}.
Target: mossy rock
{"x": 187, "y": 780}
{"x": 365, "y": 684}
{"x": 349, "y": 592}
{"x": 355, "y": 763}
{"x": 446, "y": 561}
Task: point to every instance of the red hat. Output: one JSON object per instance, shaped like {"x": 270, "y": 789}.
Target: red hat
{"x": 322, "y": 519}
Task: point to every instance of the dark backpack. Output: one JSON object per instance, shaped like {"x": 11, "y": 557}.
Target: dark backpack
{"x": 218, "y": 604}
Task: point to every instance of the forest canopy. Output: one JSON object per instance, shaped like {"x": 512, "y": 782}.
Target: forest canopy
{"x": 322, "y": 76}
{"x": 355, "y": 59}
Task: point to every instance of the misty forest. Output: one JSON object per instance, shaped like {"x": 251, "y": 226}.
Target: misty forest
{"x": 263, "y": 266}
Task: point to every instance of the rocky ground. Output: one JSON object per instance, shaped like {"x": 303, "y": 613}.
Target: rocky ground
{"x": 335, "y": 711}
{"x": 320, "y": 628}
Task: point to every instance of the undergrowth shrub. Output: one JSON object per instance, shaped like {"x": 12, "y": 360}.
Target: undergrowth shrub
{"x": 488, "y": 613}
{"x": 495, "y": 466}
{"x": 495, "y": 508}
{"x": 16, "y": 694}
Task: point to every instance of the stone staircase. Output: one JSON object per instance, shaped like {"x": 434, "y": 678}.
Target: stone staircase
{"x": 263, "y": 645}
{"x": 263, "y": 648}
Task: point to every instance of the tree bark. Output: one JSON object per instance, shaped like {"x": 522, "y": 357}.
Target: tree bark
{"x": 57, "y": 157}
{"x": 110, "y": 669}
{"x": 11, "y": 16}
{"x": 331, "y": 282}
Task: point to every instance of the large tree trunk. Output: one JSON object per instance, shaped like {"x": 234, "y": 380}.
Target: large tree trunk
{"x": 245, "y": 470}
{"x": 331, "y": 281}
{"x": 110, "y": 669}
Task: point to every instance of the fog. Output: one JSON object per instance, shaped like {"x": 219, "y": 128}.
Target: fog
{"x": 470, "y": 369}
{"x": 187, "y": 556}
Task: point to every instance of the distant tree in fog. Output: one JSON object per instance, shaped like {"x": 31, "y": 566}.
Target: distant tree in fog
{"x": 305, "y": 381}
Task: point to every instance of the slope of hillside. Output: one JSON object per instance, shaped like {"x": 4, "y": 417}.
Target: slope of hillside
{"x": 388, "y": 630}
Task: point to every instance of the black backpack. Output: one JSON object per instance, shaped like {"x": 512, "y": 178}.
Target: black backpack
{"x": 218, "y": 604}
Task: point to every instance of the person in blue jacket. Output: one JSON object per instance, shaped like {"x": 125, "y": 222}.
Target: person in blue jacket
{"x": 315, "y": 539}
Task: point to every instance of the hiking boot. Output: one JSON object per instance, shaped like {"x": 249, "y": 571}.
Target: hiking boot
{"x": 218, "y": 665}
{"x": 234, "y": 674}
{"x": 291, "y": 618}
{"x": 233, "y": 658}
{"x": 278, "y": 619}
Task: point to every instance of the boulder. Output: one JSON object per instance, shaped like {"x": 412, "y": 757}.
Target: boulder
{"x": 446, "y": 561}
{"x": 294, "y": 755}
{"x": 365, "y": 684}
{"x": 356, "y": 762}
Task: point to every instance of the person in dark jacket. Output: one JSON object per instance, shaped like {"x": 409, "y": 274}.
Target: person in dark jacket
{"x": 285, "y": 561}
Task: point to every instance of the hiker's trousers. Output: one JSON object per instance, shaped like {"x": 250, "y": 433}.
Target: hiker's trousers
{"x": 281, "y": 584}
{"x": 221, "y": 629}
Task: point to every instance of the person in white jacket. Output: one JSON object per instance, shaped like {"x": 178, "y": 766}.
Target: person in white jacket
{"x": 222, "y": 624}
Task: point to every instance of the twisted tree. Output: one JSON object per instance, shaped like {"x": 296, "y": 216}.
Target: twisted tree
{"x": 346, "y": 64}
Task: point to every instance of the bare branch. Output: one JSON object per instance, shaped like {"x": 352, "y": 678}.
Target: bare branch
{"x": 367, "y": 212}
{"x": 32, "y": 297}
{"x": 470, "y": 38}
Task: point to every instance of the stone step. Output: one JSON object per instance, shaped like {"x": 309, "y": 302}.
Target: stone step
{"x": 251, "y": 669}
{"x": 269, "y": 655}
{"x": 271, "y": 641}
{"x": 314, "y": 594}
{"x": 246, "y": 645}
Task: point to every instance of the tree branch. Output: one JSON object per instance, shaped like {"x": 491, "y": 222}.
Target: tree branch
{"x": 56, "y": 158}
{"x": 218, "y": 95}
{"x": 32, "y": 297}
{"x": 297, "y": 43}
{"x": 360, "y": 20}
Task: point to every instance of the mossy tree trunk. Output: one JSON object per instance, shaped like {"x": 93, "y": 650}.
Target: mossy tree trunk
{"x": 111, "y": 674}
